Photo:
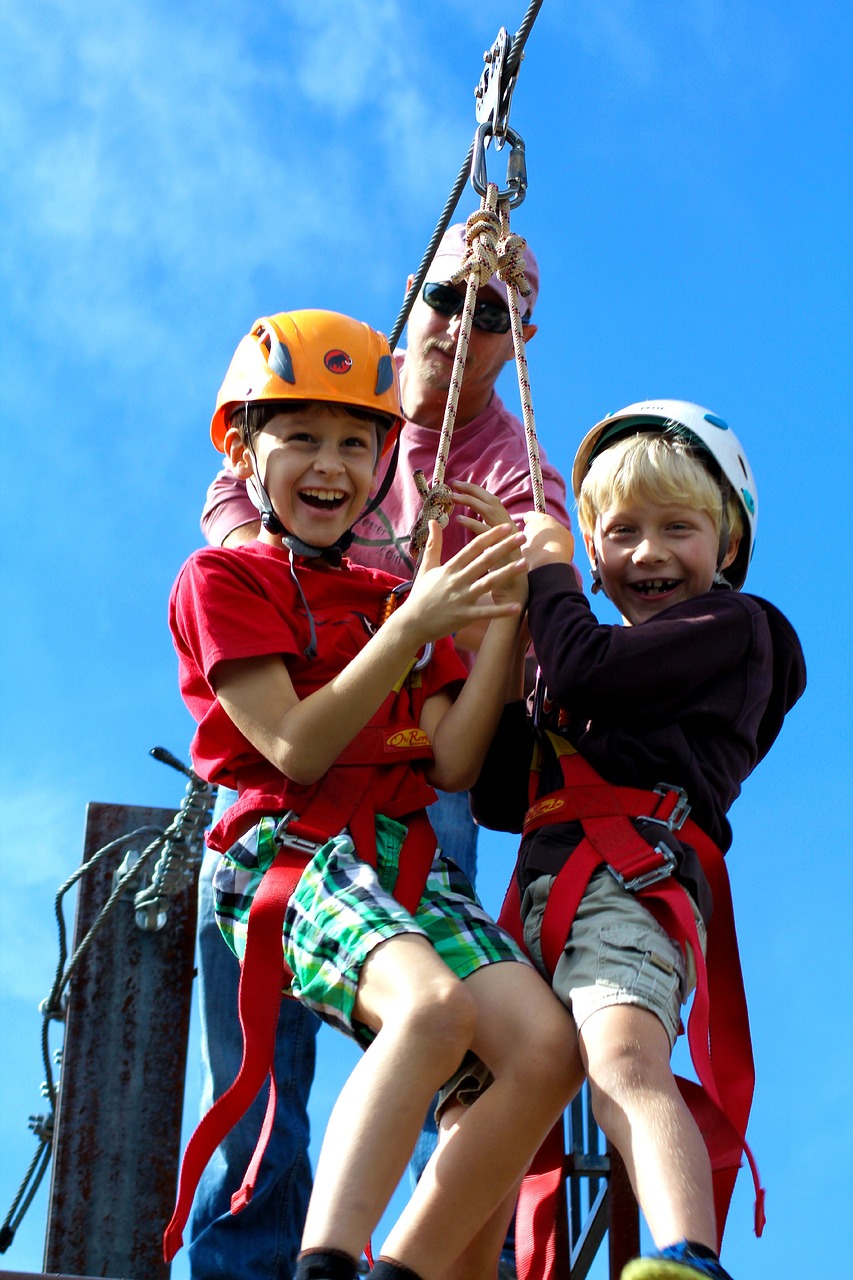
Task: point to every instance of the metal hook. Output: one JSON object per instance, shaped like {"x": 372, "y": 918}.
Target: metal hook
{"x": 516, "y": 171}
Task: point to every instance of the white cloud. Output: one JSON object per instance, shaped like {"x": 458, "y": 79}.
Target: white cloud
{"x": 157, "y": 160}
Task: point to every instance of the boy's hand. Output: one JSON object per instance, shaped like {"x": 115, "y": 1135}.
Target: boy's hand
{"x": 487, "y": 579}
{"x": 547, "y": 541}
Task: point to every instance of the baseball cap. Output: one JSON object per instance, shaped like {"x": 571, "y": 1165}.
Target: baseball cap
{"x": 450, "y": 252}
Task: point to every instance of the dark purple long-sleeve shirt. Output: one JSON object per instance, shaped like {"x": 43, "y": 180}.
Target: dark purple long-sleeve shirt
{"x": 693, "y": 697}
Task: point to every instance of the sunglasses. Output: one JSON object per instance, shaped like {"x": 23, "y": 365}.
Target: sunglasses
{"x": 491, "y": 317}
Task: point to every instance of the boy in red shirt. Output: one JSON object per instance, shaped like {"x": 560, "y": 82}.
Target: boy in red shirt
{"x": 310, "y": 697}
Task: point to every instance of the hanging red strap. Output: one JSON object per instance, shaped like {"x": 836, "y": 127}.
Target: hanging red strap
{"x": 260, "y": 998}
{"x": 258, "y": 1004}
{"x": 536, "y": 1241}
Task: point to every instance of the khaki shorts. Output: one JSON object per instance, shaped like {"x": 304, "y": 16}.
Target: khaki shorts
{"x": 617, "y": 953}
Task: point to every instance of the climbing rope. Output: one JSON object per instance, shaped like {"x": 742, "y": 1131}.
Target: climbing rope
{"x": 492, "y": 248}
{"x": 512, "y": 273}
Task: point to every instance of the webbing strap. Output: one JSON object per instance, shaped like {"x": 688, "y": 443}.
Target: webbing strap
{"x": 260, "y": 999}
{"x": 258, "y": 1005}
{"x": 721, "y": 1102}
{"x": 535, "y": 1213}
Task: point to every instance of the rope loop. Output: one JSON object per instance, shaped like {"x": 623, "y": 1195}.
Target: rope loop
{"x": 511, "y": 262}
{"x": 511, "y": 272}
{"x": 492, "y": 249}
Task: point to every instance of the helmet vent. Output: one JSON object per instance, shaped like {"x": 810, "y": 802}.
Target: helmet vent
{"x": 384, "y": 375}
{"x": 279, "y": 360}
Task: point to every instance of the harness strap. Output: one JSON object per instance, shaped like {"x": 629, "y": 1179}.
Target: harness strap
{"x": 260, "y": 995}
{"x": 258, "y": 1004}
{"x": 721, "y": 1102}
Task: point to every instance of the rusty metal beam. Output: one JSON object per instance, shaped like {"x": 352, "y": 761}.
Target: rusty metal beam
{"x": 122, "y": 1082}
{"x": 39, "y": 1275}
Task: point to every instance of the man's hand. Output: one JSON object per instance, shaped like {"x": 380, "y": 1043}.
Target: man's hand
{"x": 489, "y": 513}
{"x": 546, "y": 541}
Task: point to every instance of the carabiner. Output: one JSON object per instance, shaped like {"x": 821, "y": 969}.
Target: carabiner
{"x": 516, "y": 170}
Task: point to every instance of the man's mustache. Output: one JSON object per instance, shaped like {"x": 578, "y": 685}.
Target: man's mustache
{"x": 436, "y": 344}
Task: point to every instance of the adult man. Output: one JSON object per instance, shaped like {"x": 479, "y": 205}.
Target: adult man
{"x": 488, "y": 448}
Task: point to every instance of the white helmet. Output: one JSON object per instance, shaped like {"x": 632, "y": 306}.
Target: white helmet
{"x": 711, "y": 437}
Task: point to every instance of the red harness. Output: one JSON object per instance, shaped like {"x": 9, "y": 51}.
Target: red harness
{"x": 349, "y": 796}
{"x": 718, "y": 1027}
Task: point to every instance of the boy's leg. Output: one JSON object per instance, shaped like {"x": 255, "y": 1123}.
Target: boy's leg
{"x": 425, "y": 1022}
{"x": 625, "y": 981}
{"x": 529, "y": 1043}
{"x": 486, "y": 1253}
{"x": 456, "y": 834}
{"x": 638, "y": 1105}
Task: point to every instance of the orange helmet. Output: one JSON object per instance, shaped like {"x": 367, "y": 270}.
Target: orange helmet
{"x": 312, "y": 355}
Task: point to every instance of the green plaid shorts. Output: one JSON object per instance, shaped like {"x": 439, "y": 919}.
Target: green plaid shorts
{"x": 343, "y": 907}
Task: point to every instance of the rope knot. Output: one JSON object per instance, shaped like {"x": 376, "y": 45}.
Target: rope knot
{"x": 437, "y": 504}
{"x": 482, "y": 234}
{"x": 511, "y": 263}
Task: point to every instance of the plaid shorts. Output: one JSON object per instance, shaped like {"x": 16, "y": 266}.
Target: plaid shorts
{"x": 343, "y": 907}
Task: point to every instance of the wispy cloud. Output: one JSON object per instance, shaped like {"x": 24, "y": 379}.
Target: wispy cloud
{"x": 668, "y": 44}
{"x": 151, "y": 166}
{"x": 41, "y": 839}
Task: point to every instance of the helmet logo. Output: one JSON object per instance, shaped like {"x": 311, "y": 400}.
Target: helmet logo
{"x": 337, "y": 361}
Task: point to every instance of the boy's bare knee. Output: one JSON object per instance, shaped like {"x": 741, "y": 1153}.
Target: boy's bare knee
{"x": 626, "y": 1071}
{"x": 444, "y": 1016}
{"x": 554, "y": 1060}
{"x": 546, "y": 1059}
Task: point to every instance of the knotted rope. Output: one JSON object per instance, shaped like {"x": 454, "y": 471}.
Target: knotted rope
{"x": 492, "y": 249}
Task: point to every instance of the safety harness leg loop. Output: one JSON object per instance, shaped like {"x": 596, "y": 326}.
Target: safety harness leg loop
{"x": 718, "y": 1024}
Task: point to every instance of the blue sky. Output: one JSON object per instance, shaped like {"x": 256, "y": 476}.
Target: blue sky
{"x": 172, "y": 172}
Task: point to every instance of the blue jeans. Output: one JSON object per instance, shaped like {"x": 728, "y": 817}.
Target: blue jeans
{"x": 262, "y": 1241}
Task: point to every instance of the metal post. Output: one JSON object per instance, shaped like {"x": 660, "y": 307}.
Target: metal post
{"x": 623, "y": 1215}
{"x": 600, "y": 1200}
{"x": 122, "y": 1082}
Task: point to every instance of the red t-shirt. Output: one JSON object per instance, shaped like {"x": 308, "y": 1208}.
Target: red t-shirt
{"x": 243, "y": 602}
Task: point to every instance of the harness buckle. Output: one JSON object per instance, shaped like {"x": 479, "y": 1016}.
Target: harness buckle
{"x": 646, "y": 878}
{"x": 282, "y": 836}
{"x": 677, "y": 815}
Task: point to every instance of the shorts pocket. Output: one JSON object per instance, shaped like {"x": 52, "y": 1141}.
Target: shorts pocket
{"x": 652, "y": 975}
